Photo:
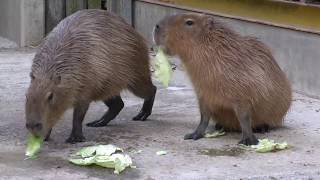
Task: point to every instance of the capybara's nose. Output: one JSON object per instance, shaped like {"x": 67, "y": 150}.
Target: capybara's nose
{"x": 155, "y": 32}
{"x": 157, "y": 27}
{"x": 34, "y": 126}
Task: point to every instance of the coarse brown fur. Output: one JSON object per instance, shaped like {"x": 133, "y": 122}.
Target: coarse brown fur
{"x": 231, "y": 74}
{"x": 91, "y": 55}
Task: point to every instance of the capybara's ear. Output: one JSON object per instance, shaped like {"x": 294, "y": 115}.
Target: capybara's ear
{"x": 49, "y": 96}
{"x": 32, "y": 76}
{"x": 210, "y": 23}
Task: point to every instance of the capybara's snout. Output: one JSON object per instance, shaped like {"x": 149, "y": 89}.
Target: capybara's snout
{"x": 34, "y": 127}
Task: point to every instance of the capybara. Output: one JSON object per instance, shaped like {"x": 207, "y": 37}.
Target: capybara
{"x": 238, "y": 83}
{"x": 91, "y": 55}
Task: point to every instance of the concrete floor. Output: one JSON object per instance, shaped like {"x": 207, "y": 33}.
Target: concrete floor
{"x": 175, "y": 114}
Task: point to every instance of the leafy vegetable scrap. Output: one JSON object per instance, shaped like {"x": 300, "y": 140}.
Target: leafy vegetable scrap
{"x": 108, "y": 156}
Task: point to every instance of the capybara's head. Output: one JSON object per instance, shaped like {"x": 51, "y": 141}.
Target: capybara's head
{"x": 46, "y": 101}
{"x": 178, "y": 33}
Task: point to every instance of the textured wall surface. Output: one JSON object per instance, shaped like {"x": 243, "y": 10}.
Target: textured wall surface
{"x": 22, "y": 21}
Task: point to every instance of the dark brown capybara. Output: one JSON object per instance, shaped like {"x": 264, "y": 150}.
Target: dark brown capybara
{"x": 237, "y": 80}
{"x": 91, "y": 55}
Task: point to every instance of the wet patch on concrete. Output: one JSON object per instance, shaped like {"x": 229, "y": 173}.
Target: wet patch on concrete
{"x": 230, "y": 151}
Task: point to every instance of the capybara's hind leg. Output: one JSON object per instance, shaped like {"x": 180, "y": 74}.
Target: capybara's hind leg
{"x": 148, "y": 93}
{"x": 204, "y": 122}
{"x": 263, "y": 128}
{"x": 243, "y": 116}
{"x": 79, "y": 112}
{"x": 115, "y": 105}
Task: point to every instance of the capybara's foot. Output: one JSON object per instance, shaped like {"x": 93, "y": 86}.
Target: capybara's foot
{"x": 249, "y": 141}
{"x": 264, "y": 128}
{"x": 218, "y": 127}
{"x": 75, "y": 139}
{"x": 194, "y": 136}
{"x": 98, "y": 123}
{"x": 142, "y": 116}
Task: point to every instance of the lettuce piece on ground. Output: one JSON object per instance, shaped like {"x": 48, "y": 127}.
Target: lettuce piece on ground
{"x": 121, "y": 162}
{"x": 33, "y": 145}
{"x": 105, "y": 156}
{"x": 87, "y": 151}
{"x": 105, "y": 161}
{"x": 136, "y": 151}
{"x": 160, "y": 153}
{"x": 117, "y": 161}
{"x": 102, "y": 150}
{"x": 84, "y": 162}
{"x": 215, "y": 134}
{"x": 162, "y": 67}
{"x": 107, "y": 150}
{"x": 266, "y": 145}
{"x": 281, "y": 146}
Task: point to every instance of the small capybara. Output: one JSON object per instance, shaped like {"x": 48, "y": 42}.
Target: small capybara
{"x": 238, "y": 83}
{"x": 91, "y": 55}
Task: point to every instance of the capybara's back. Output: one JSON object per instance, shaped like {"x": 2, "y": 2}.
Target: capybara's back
{"x": 268, "y": 89}
{"x": 96, "y": 49}
{"x": 91, "y": 55}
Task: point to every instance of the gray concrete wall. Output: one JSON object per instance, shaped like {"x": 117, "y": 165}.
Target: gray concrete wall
{"x": 32, "y": 22}
{"x": 22, "y": 21}
{"x": 10, "y": 20}
{"x": 298, "y": 53}
{"x": 121, "y": 7}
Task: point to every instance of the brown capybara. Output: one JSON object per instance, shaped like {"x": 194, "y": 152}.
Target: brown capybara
{"x": 91, "y": 55}
{"x": 237, "y": 80}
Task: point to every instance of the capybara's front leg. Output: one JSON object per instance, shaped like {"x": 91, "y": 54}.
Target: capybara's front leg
{"x": 244, "y": 118}
{"x": 204, "y": 122}
{"x": 79, "y": 112}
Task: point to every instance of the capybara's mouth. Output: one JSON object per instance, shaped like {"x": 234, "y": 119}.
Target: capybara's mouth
{"x": 36, "y": 133}
{"x": 165, "y": 50}
{"x": 43, "y": 133}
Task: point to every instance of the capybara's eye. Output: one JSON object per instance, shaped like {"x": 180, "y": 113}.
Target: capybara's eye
{"x": 50, "y": 96}
{"x": 189, "y": 22}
